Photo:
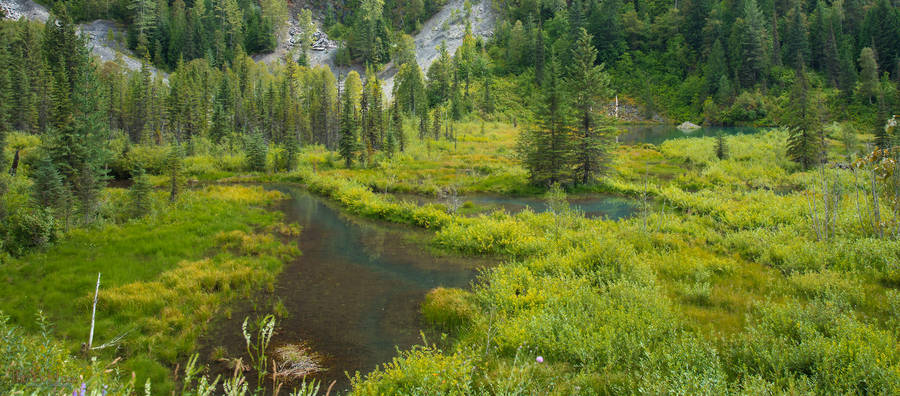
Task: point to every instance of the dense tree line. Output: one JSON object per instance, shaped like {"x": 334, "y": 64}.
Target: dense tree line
{"x": 168, "y": 31}
{"x": 677, "y": 54}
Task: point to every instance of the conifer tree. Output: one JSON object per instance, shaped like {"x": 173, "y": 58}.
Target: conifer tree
{"x": 139, "y": 193}
{"x": 256, "y": 152}
{"x": 545, "y": 148}
{"x": 753, "y": 59}
{"x": 49, "y": 191}
{"x": 868, "y": 75}
{"x": 804, "y": 141}
{"x": 796, "y": 40}
{"x": 348, "y": 145}
{"x": 397, "y": 127}
{"x": 721, "y": 147}
{"x": 173, "y": 169}
{"x": 715, "y": 68}
{"x": 589, "y": 86}
{"x": 390, "y": 143}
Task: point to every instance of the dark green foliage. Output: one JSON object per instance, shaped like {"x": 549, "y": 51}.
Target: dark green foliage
{"x": 291, "y": 149}
{"x": 390, "y": 143}
{"x": 588, "y": 86}
{"x": 348, "y": 145}
{"x": 804, "y": 143}
{"x": 173, "y": 170}
{"x": 49, "y": 191}
{"x": 751, "y": 34}
{"x": 439, "y": 78}
{"x": 397, "y": 127}
{"x": 257, "y": 149}
{"x": 29, "y": 228}
{"x": 796, "y": 40}
{"x": 139, "y": 194}
{"x": 721, "y": 147}
{"x": 881, "y": 30}
{"x": 545, "y": 149}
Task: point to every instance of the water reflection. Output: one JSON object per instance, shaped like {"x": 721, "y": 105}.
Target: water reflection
{"x": 656, "y": 134}
{"x": 354, "y": 294}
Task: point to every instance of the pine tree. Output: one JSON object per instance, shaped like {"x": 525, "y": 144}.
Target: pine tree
{"x": 804, "y": 142}
{"x": 410, "y": 88}
{"x": 423, "y": 125}
{"x": 6, "y": 92}
{"x": 715, "y": 67}
{"x": 868, "y": 76}
{"x": 390, "y": 143}
{"x": 589, "y": 86}
{"x": 397, "y": 127}
{"x": 545, "y": 149}
{"x": 139, "y": 193}
{"x": 436, "y": 125}
{"x": 439, "y": 78}
{"x": 291, "y": 149}
{"x": 49, "y": 191}
{"x": 348, "y": 145}
{"x": 796, "y": 41}
{"x": 753, "y": 59}
{"x": 256, "y": 152}
{"x": 539, "y": 55}
{"x": 881, "y": 30}
{"x": 76, "y": 146}
{"x": 721, "y": 147}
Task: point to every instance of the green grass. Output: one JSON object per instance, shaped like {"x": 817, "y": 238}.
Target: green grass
{"x": 163, "y": 276}
{"x": 722, "y": 288}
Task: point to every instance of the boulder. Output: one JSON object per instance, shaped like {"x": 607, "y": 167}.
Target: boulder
{"x": 688, "y": 126}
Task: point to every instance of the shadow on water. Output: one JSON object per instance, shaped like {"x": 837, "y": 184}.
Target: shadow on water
{"x": 606, "y": 206}
{"x": 354, "y": 294}
{"x": 656, "y": 134}
{"x": 591, "y": 205}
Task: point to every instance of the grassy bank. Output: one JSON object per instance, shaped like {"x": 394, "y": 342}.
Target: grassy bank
{"x": 728, "y": 286}
{"x": 164, "y": 276}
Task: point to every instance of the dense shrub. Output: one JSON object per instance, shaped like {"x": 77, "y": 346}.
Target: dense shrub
{"x": 28, "y": 228}
{"x": 448, "y": 308}
{"x": 819, "y": 348}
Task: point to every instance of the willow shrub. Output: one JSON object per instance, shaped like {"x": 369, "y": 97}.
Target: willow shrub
{"x": 449, "y": 309}
{"x": 423, "y": 370}
{"x": 817, "y": 348}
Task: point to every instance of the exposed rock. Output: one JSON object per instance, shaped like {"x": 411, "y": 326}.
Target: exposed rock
{"x": 628, "y": 111}
{"x": 688, "y": 126}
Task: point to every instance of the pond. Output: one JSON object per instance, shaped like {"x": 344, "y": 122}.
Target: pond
{"x": 354, "y": 294}
{"x": 592, "y": 205}
{"x": 656, "y": 134}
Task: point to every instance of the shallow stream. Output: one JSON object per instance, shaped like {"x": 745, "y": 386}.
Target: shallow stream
{"x": 354, "y": 294}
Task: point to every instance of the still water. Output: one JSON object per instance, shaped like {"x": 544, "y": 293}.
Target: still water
{"x": 354, "y": 293}
{"x": 656, "y": 134}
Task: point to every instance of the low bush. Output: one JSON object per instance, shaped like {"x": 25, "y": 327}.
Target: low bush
{"x": 447, "y": 308}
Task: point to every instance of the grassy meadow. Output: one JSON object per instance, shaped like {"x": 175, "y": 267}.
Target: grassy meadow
{"x": 747, "y": 275}
{"x": 742, "y": 275}
{"x": 163, "y": 278}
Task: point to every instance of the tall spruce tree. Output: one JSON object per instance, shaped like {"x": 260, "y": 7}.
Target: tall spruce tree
{"x": 348, "y": 145}
{"x": 545, "y": 149}
{"x": 588, "y": 85}
{"x": 804, "y": 141}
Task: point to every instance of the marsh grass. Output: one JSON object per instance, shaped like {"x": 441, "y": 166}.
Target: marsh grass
{"x": 164, "y": 276}
{"x": 694, "y": 300}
